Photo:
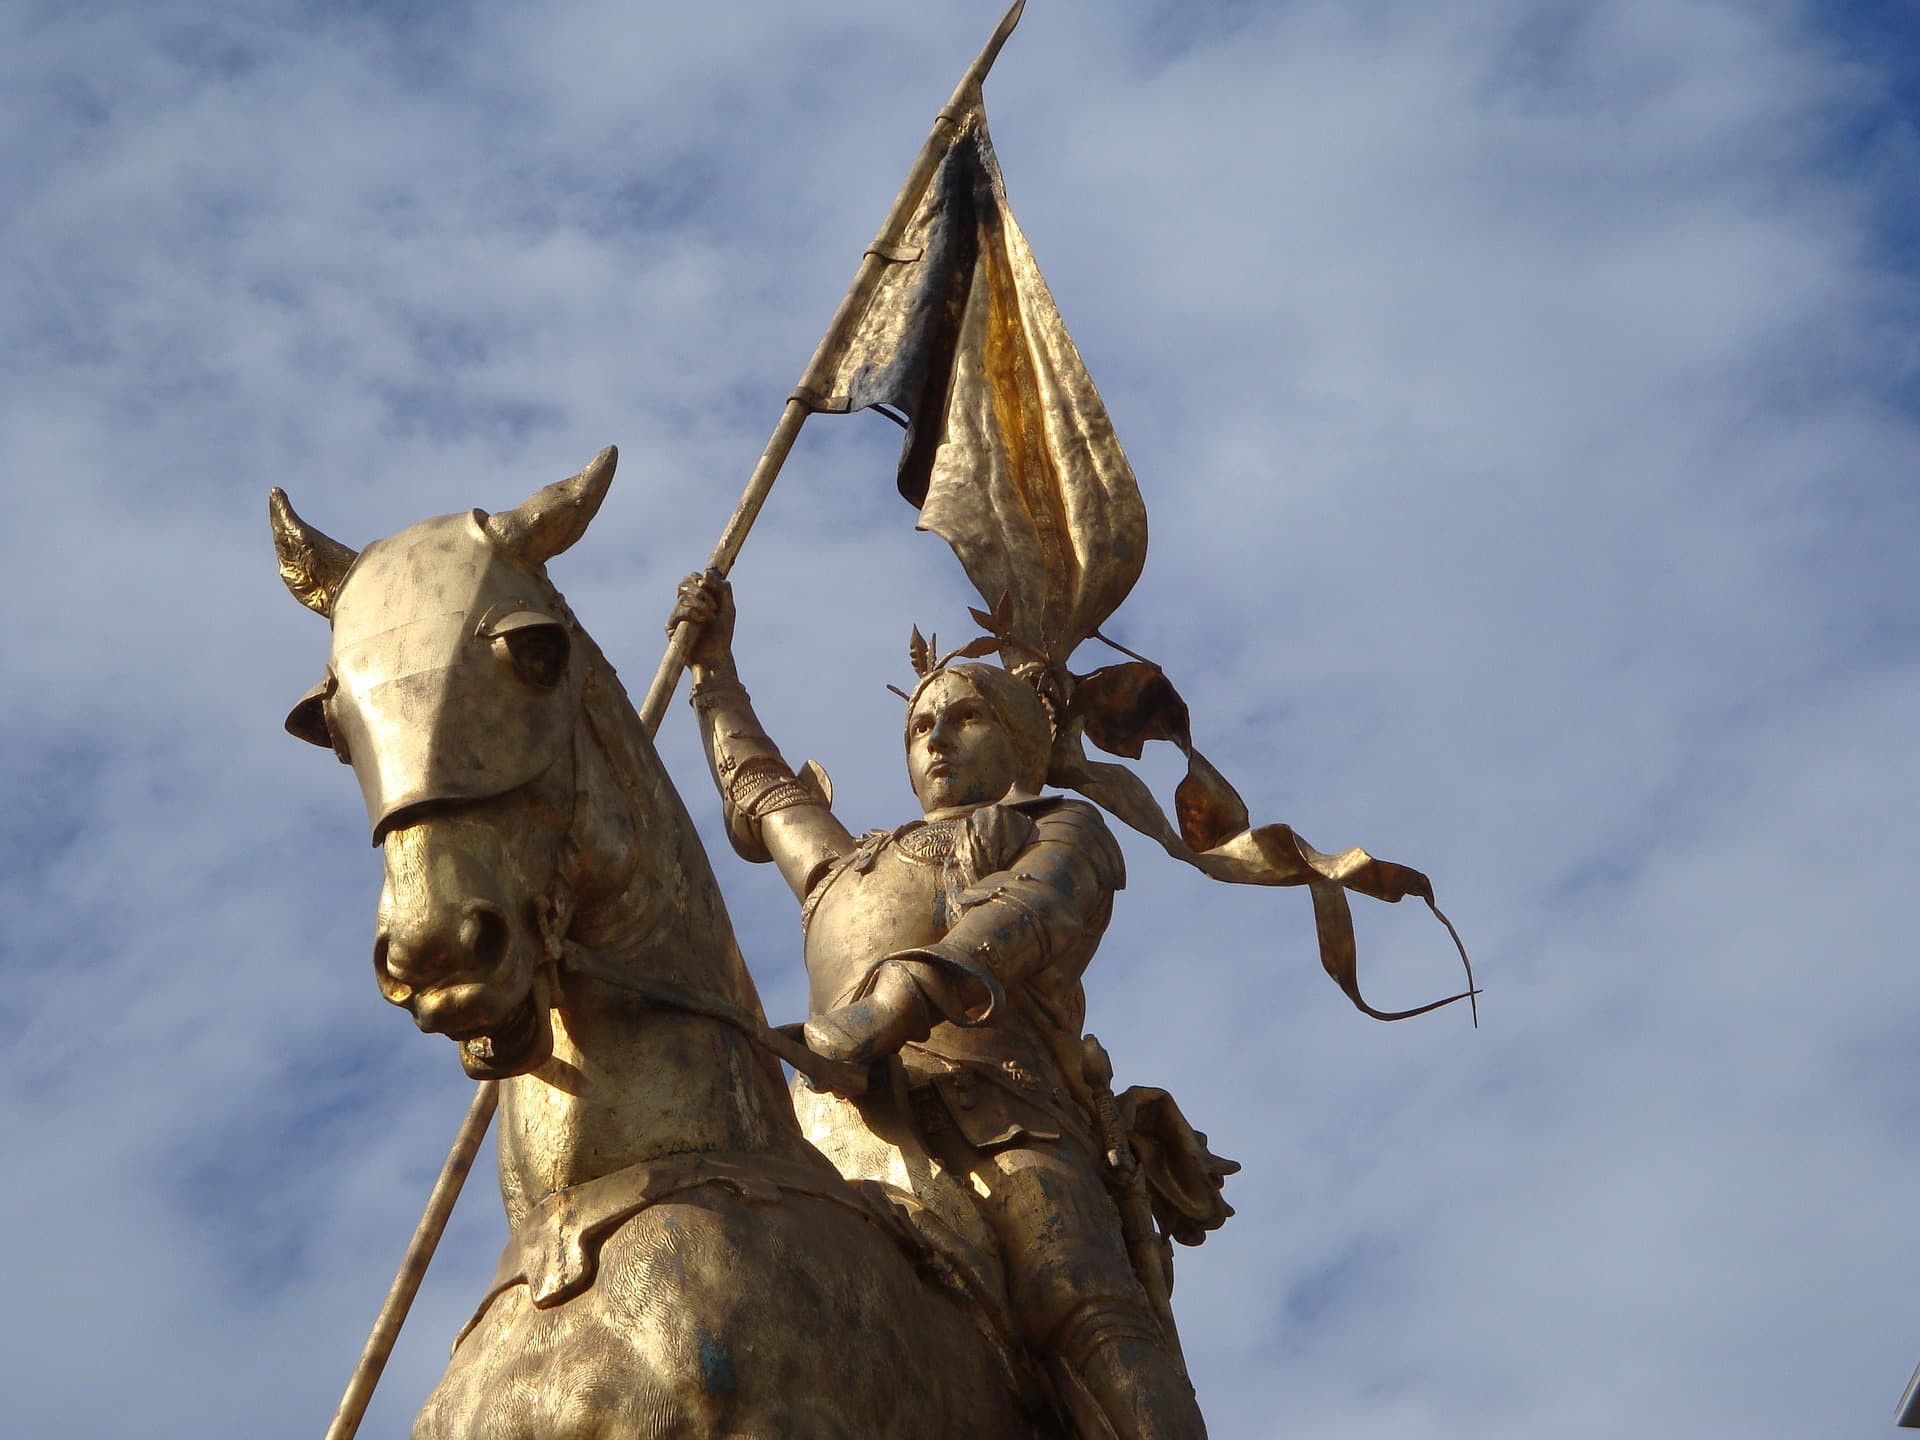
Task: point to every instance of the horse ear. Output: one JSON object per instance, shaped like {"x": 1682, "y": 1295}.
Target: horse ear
{"x": 551, "y": 519}
{"x": 312, "y": 564}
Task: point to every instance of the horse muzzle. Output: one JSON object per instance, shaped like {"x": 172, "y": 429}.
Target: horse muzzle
{"x": 457, "y": 959}
{"x": 501, "y": 1021}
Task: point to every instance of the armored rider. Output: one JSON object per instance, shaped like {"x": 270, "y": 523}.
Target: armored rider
{"x": 957, "y": 941}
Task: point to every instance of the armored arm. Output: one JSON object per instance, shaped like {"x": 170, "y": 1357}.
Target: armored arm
{"x": 1043, "y": 899}
{"x": 1048, "y": 907}
{"x": 771, "y": 813}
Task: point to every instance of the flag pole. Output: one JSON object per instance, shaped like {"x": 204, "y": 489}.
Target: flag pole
{"x": 413, "y": 1266}
{"x": 806, "y": 397}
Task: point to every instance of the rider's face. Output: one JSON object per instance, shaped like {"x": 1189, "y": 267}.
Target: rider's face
{"x": 958, "y": 757}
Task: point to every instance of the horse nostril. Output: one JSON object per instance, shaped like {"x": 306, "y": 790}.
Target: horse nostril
{"x": 484, "y": 934}
{"x": 391, "y": 985}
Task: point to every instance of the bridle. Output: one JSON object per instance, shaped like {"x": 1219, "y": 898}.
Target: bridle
{"x": 562, "y": 955}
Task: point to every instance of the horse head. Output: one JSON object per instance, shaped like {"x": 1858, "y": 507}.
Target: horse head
{"x": 454, "y": 689}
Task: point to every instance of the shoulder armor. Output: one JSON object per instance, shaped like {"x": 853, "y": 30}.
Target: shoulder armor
{"x": 1067, "y": 820}
{"x": 814, "y": 778}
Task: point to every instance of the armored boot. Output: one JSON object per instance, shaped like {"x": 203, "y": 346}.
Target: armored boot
{"x": 1121, "y": 1380}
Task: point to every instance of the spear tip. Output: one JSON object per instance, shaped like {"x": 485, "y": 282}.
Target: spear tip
{"x": 980, "y": 67}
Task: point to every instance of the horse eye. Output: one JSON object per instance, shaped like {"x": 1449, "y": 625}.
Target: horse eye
{"x": 538, "y": 653}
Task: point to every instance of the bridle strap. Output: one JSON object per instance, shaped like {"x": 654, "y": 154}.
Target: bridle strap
{"x": 784, "y": 1042}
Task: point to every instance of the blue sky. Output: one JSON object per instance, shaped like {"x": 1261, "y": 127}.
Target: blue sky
{"x": 1524, "y": 398}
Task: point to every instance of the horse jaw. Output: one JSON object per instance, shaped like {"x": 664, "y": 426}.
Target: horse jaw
{"x": 519, "y": 1045}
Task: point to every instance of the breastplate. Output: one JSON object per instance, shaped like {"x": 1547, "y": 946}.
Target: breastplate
{"x": 890, "y": 895}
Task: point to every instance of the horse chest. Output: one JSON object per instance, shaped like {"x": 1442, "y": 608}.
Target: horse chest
{"x": 719, "y": 1314}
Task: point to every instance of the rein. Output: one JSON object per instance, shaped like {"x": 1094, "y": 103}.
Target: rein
{"x": 784, "y": 1042}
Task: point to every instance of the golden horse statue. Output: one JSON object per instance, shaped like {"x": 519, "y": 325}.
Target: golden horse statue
{"x": 682, "y": 1262}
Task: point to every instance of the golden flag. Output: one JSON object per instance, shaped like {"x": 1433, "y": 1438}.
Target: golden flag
{"x": 1011, "y": 459}
{"x": 1009, "y": 453}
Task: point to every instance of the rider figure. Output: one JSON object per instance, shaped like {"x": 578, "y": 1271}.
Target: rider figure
{"x": 957, "y": 942}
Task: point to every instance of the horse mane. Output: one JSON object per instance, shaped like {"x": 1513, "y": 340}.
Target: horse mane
{"x": 649, "y": 798}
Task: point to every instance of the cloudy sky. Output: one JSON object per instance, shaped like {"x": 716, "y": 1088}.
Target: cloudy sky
{"x": 1524, "y": 394}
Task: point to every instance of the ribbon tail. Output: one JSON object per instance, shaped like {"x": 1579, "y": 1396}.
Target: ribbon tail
{"x": 1273, "y": 855}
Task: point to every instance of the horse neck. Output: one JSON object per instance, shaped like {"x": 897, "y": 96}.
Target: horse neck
{"x": 631, "y": 1079}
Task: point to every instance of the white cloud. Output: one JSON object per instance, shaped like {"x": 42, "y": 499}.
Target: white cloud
{"x": 1523, "y": 398}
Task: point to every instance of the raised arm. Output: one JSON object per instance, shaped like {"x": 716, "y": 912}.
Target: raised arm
{"x": 771, "y": 813}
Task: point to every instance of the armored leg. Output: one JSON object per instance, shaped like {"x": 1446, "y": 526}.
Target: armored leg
{"x": 1074, "y": 1293}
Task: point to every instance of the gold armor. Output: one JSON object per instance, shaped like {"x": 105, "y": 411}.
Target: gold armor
{"x": 1002, "y": 909}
